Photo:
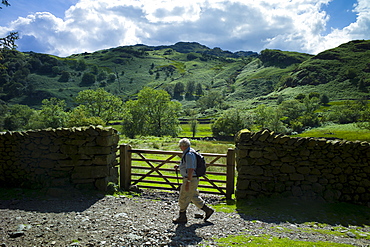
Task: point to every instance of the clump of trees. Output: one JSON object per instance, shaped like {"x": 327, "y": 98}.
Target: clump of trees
{"x": 294, "y": 115}
{"x": 153, "y": 113}
{"x": 230, "y": 122}
{"x": 190, "y": 91}
{"x": 94, "y": 107}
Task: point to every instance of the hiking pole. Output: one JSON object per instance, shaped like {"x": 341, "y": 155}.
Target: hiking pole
{"x": 177, "y": 175}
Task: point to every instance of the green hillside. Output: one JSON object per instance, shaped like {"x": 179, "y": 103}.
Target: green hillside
{"x": 31, "y": 77}
{"x": 245, "y": 79}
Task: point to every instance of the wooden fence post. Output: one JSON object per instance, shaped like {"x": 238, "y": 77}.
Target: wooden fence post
{"x": 125, "y": 166}
{"x": 230, "y": 173}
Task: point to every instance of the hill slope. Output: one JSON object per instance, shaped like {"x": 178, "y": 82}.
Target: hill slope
{"x": 242, "y": 77}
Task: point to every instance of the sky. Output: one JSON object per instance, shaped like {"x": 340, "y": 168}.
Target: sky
{"x": 66, "y": 27}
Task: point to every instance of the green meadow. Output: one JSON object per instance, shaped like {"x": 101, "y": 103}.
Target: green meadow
{"x": 349, "y": 132}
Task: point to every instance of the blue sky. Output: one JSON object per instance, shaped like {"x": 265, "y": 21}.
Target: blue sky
{"x": 65, "y": 27}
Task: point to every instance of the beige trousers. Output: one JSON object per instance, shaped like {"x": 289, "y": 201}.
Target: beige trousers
{"x": 192, "y": 195}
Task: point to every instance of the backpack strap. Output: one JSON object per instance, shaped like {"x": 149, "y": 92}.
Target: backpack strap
{"x": 184, "y": 155}
{"x": 183, "y": 158}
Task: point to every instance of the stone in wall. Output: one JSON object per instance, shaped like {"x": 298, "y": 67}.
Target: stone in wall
{"x": 311, "y": 168}
{"x": 83, "y": 157}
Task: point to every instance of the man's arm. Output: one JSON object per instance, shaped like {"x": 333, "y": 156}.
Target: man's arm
{"x": 190, "y": 173}
{"x": 190, "y": 176}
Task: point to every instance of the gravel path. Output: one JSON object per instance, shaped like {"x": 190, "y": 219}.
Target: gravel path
{"x": 145, "y": 220}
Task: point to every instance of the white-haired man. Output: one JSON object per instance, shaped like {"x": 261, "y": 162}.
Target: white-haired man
{"x": 189, "y": 188}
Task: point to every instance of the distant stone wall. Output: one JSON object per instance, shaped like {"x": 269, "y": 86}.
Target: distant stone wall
{"x": 332, "y": 170}
{"x": 82, "y": 158}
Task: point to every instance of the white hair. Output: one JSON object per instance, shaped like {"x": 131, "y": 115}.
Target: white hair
{"x": 184, "y": 142}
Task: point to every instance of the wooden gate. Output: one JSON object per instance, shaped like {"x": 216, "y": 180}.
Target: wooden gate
{"x": 147, "y": 169}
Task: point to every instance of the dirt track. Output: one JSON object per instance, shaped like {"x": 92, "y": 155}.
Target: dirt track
{"x": 145, "y": 220}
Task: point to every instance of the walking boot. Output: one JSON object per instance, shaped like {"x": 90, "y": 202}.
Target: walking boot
{"x": 209, "y": 211}
{"x": 181, "y": 219}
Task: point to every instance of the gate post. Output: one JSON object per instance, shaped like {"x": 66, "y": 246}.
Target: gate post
{"x": 230, "y": 173}
{"x": 125, "y": 167}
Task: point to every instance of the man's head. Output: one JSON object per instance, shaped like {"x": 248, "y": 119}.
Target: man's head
{"x": 184, "y": 143}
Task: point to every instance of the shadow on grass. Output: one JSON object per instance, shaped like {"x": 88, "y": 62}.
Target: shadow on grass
{"x": 293, "y": 210}
{"x": 40, "y": 201}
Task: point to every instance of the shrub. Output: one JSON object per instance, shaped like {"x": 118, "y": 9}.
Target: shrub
{"x": 229, "y": 123}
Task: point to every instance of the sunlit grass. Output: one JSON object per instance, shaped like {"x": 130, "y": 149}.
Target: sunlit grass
{"x": 267, "y": 240}
{"x": 172, "y": 144}
{"x": 348, "y": 132}
{"x": 203, "y": 130}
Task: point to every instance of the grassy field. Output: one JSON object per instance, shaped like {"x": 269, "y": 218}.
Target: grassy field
{"x": 203, "y": 130}
{"x": 349, "y": 132}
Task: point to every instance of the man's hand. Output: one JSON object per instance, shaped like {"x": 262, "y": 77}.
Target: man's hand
{"x": 187, "y": 187}
{"x": 176, "y": 167}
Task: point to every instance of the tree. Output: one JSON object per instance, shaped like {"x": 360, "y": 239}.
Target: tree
{"x": 79, "y": 116}
{"x": 362, "y": 85}
{"x": 300, "y": 96}
{"x": 6, "y": 3}
{"x": 102, "y": 75}
{"x": 190, "y": 89}
{"x": 230, "y": 122}
{"x": 199, "y": 90}
{"x": 153, "y": 113}
{"x": 111, "y": 77}
{"x": 100, "y": 103}
{"x": 17, "y": 117}
{"x": 270, "y": 118}
{"x": 87, "y": 79}
{"x": 7, "y": 43}
{"x": 311, "y": 104}
{"x": 349, "y": 112}
{"x": 52, "y": 114}
{"x": 191, "y": 56}
{"x": 81, "y": 65}
{"x": 65, "y": 76}
{"x": 291, "y": 109}
{"x": 364, "y": 120}
{"x": 193, "y": 126}
{"x": 324, "y": 99}
{"x": 95, "y": 69}
{"x": 213, "y": 99}
{"x": 300, "y": 113}
{"x": 178, "y": 90}
{"x": 3, "y": 110}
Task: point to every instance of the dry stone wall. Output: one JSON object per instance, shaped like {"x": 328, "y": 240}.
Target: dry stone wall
{"x": 82, "y": 158}
{"x": 269, "y": 164}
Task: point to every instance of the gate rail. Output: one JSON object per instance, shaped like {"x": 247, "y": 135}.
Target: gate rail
{"x": 155, "y": 167}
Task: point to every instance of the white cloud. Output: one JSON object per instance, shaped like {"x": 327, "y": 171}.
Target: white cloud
{"x": 357, "y": 30}
{"x": 91, "y": 25}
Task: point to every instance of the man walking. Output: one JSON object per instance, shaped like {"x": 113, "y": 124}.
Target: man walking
{"x": 189, "y": 188}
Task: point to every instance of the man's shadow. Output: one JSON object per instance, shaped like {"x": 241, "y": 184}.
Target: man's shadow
{"x": 186, "y": 234}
